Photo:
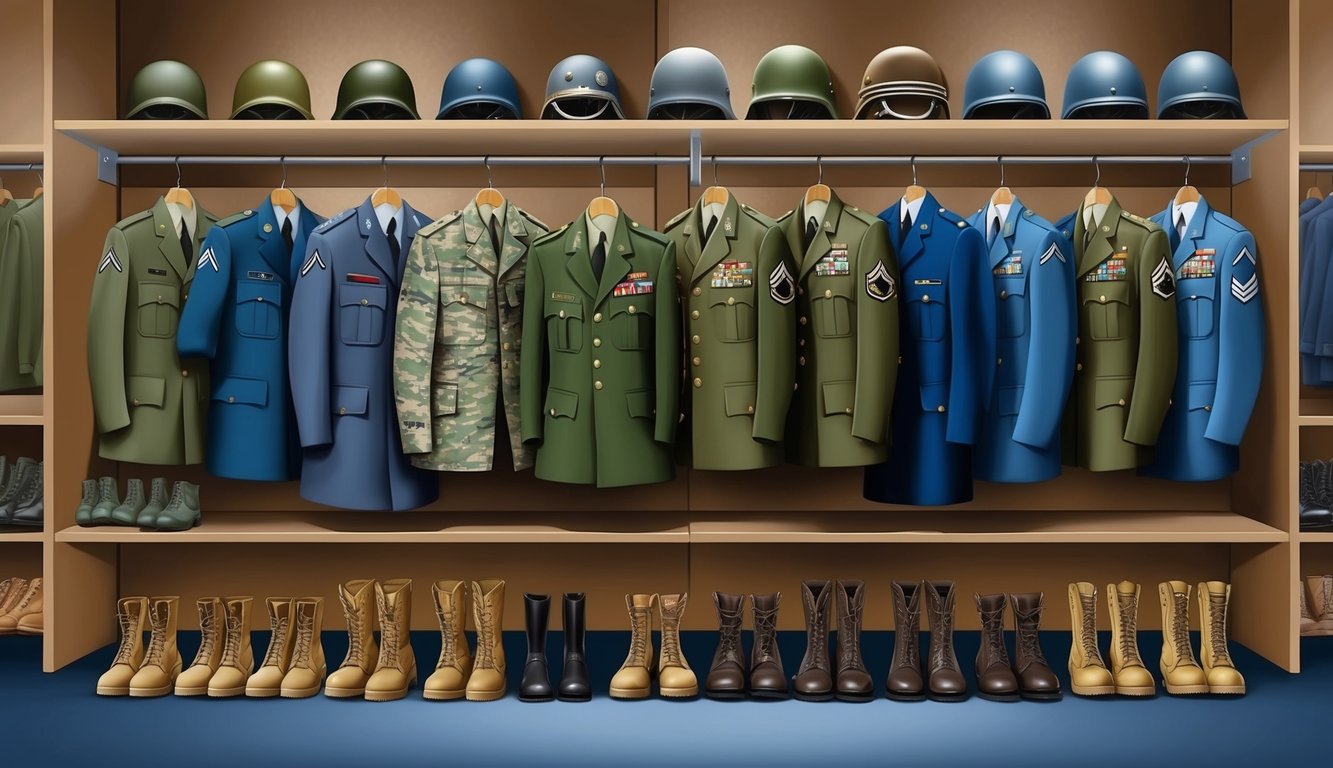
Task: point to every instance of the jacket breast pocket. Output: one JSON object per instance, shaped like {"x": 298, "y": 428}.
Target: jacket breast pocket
{"x": 159, "y": 310}
{"x": 1195, "y": 299}
{"x": 832, "y": 308}
{"x": 1106, "y": 309}
{"x": 564, "y": 327}
{"x": 1112, "y": 392}
{"x": 929, "y": 313}
{"x": 1013, "y": 307}
{"x": 464, "y": 320}
{"x": 632, "y": 322}
{"x": 259, "y": 310}
{"x": 443, "y": 400}
{"x": 361, "y": 314}
{"x": 733, "y": 318}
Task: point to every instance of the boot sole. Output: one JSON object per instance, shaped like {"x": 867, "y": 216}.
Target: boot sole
{"x": 765, "y": 695}
{"x": 1042, "y": 696}
{"x": 26, "y": 631}
{"x": 108, "y": 691}
{"x": 679, "y": 693}
{"x": 536, "y": 699}
{"x": 1227, "y": 690}
{"x": 814, "y": 696}
{"x": 855, "y": 698}
{"x": 386, "y": 695}
{"x": 262, "y": 693}
{"x": 433, "y": 695}
{"x": 485, "y": 695}
{"x": 905, "y": 696}
{"x": 299, "y": 693}
{"x": 725, "y": 695}
{"x": 574, "y": 698}
{"x": 1000, "y": 697}
{"x": 152, "y": 693}
{"x": 1092, "y": 690}
{"x": 200, "y": 691}
{"x": 947, "y": 698}
{"x": 345, "y": 693}
{"x": 1316, "y": 632}
{"x": 225, "y": 693}
{"x": 631, "y": 693}
{"x": 1186, "y": 690}
{"x": 1147, "y": 690}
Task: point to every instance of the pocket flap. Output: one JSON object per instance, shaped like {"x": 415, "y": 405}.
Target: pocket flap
{"x": 350, "y": 400}
{"x": 236, "y": 389}
{"x": 561, "y": 404}
{"x": 364, "y": 295}
{"x": 1106, "y": 292}
{"x": 1112, "y": 391}
{"x": 159, "y": 293}
{"x": 739, "y": 398}
{"x": 477, "y": 295}
{"x": 145, "y": 390}
{"x": 513, "y": 294}
{"x": 633, "y": 305}
{"x": 839, "y": 397}
{"x": 263, "y": 293}
{"x": 561, "y": 309}
{"x": 1196, "y": 289}
{"x": 1011, "y": 286}
{"x": 744, "y": 298}
{"x": 1009, "y": 399}
{"x": 934, "y": 397}
{"x": 640, "y": 403}
{"x": 1202, "y": 394}
{"x": 444, "y": 400}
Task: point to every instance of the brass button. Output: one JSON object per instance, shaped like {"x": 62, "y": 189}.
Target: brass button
{"x": 925, "y": 299}
{"x": 596, "y": 363}
{"x": 804, "y": 319}
{"x": 697, "y": 290}
{"x": 552, "y": 411}
{"x": 698, "y": 360}
{"x": 1122, "y": 401}
{"x": 597, "y": 342}
{"x": 828, "y": 294}
{"x": 597, "y": 385}
{"x": 940, "y": 409}
{"x": 800, "y": 291}
{"x": 462, "y": 298}
{"x": 364, "y": 302}
{"x": 342, "y": 411}
{"x": 159, "y": 299}
{"x": 1004, "y": 294}
{"x": 1078, "y": 366}
{"x": 796, "y": 386}
{"x": 731, "y": 300}
{"x": 1208, "y": 407}
{"x": 597, "y": 317}
{"x": 802, "y": 360}
{"x": 185, "y": 374}
{"x": 694, "y": 315}
{"x": 231, "y": 398}
{"x": 562, "y": 313}
{"x": 749, "y": 409}
{"x": 259, "y": 299}
{"x": 1078, "y": 340}
{"x": 506, "y": 346}
{"x": 695, "y": 338}
{"x": 135, "y": 401}
{"x": 900, "y": 359}
{"x": 698, "y": 383}
{"x": 632, "y": 309}
{"x": 802, "y": 342}
{"x": 1102, "y": 299}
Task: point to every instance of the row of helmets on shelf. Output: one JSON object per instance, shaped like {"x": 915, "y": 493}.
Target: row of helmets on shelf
{"x": 790, "y": 82}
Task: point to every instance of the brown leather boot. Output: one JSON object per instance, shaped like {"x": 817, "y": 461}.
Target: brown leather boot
{"x": 162, "y": 661}
{"x": 396, "y": 671}
{"x": 238, "y": 656}
{"x": 454, "y": 666}
{"x": 1321, "y": 590}
{"x": 1309, "y": 627}
{"x": 131, "y": 614}
{"x": 727, "y": 674}
{"x": 995, "y": 676}
{"x": 194, "y": 681}
{"x": 905, "y": 682}
{"x": 489, "y": 678}
{"x": 349, "y": 679}
{"x": 853, "y": 682}
{"x": 813, "y": 681}
{"x": 767, "y": 678}
{"x": 634, "y": 679}
{"x": 267, "y": 681}
{"x": 25, "y": 617}
{"x": 675, "y": 679}
{"x": 1036, "y": 679}
{"x": 944, "y": 680}
{"x": 308, "y": 668}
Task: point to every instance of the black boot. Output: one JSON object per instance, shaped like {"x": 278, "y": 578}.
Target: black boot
{"x": 536, "y": 685}
{"x": 574, "y": 677}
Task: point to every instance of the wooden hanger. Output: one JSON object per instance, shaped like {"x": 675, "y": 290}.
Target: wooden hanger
{"x": 718, "y": 195}
{"x": 1002, "y": 194}
{"x": 179, "y": 195}
{"x": 1314, "y": 193}
{"x": 5, "y": 195}
{"x": 819, "y": 192}
{"x": 1187, "y": 193}
{"x": 490, "y": 196}
{"x": 283, "y": 197}
{"x": 915, "y": 191}
{"x": 386, "y": 195}
{"x": 602, "y": 205}
{"x": 1098, "y": 195}
{"x": 41, "y": 184}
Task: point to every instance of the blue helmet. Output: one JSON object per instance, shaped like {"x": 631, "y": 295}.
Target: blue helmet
{"x": 582, "y": 87}
{"x": 1105, "y": 85}
{"x": 1005, "y": 85}
{"x": 479, "y": 89}
{"x": 1199, "y": 85}
{"x": 690, "y": 84}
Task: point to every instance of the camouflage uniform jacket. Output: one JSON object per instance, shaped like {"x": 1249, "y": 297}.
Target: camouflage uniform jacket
{"x": 460, "y": 313}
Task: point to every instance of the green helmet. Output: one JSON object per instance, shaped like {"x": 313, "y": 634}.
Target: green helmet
{"x": 376, "y": 90}
{"x": 271, "y": 90}
{"x": 792, "y": 82}
{"x": 166, "y": 90}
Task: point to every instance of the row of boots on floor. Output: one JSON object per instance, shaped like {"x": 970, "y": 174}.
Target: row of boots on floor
{"x": 21, "y": 607}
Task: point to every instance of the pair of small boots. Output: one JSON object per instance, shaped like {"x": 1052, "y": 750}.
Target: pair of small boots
{"x": 941, "y": 679}
{"x": 225, "y": 659}
{"x": 458, "y": 673}
{"x": 814, "y": 679}
{"x": 1128, "y": 676}
{"x": 675, "y": 679}
{"x": 21, "y": 493}
{"x": 156, "y": 511}
{"x": 1029, "y": 677}
{"x": 382, "y": 672}
{"x": 21, "y": 607}
{"x": 140, "y": 670}
{"x": 1319, "y": 622}
{"x": 536, "y": 685}
{"x": 727, "y": 677}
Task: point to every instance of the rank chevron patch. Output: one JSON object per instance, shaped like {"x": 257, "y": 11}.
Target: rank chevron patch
{"x": 1054, "y": 250}
{"x": 1163, "y": 280}
{"x": 1246, "y": 290}
{"x": 1244, "y": 254}
{"x": 310, "y": 263}
{"x": 109, "y": 260}
{"x": 879, "y": 283}
{"x": 208, "y": 259}
{"x": 781, "y": 286}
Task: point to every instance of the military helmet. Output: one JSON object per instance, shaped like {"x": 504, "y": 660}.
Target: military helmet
{"x": 271, "y": 90}
{"x": 1199, "y": 85}
{"x": 582, "y": 87}
{"x": 166, "y": 90}
{"x": 1105, "y": 85}
{"x": 690, "y": 84}
{"x": 1005, "y": 85}
{"x": 479, "y": 89}
{"x": 376, "y": 90}
{"x": 903, "y": 83}
{"x": 791, "y": 82}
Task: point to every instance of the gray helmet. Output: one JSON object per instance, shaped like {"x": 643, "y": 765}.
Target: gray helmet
{"x": 1199, "y": 85}
{"x": 1005, "y": 85}
{"x": 690, "y": 84}
{"x": 582, "y": 87}
{"x": 166, "y": 90}
{"x": 1105, "y": 85}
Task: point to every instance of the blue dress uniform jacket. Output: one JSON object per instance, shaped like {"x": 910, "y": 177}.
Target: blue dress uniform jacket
{"x": 948, "y": 359}
{"x": 341, "y": 353}
{"x": 237, "y": 317}
{"x": 1314, "y": 245}
{"x": 1221, "y": 323}
{"x": 1033, "y": 277}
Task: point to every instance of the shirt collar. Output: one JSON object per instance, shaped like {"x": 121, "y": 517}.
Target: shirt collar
{"x": 385, "y": 214}
{"x": 912, "y": 209}
{"x": 1184, "y": 209}
{"x": 183, "y": 217}
{"x": 997, "y": 213}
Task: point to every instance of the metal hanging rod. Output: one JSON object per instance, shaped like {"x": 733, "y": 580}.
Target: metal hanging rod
{"x": 568, "y": 160}
{"x": 967, "y": 159}
{"x": 20, "y": 167}
{"x": 1316, "y": 167}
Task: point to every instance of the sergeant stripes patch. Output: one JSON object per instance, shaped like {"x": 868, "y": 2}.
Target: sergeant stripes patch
{"x": 310, "y": 263}
{"x": 1163, "y": 280}
{"x": 1054, "y": 250}
{"x": 1246, "y": 290}
{"x": 781, "y": 286}
{"x": 207, "y": 258}
{"x": 109, "y": 260}
{"x": 1244, "y": 254}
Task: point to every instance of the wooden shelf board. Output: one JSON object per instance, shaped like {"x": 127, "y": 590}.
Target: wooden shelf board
{"x": 1316, "y": 153}
{"x": 944, "y": 527}
{"x": 1315, "y": 537}
{"x": 20, "y": 153}
{"x": 1314, "y": 410}
{"x": 1311, "y": 420}
{"x": 11, "y": 535}
{"x": 632, "y": 137}
{"x": 20, "y": 410}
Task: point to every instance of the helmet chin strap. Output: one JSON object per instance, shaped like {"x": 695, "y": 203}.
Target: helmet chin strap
{"x": 887, "y": 110}
{"x": 600, "y": 111}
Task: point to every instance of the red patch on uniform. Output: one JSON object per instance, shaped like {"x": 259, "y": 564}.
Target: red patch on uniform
{"x": 353, "y": 277}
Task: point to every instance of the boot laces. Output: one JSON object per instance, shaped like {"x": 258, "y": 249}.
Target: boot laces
{"x": 907, "y": 648}
{"x": 1129, "y": 639}
{"x": 273, "y": 657}
{"x": 485, "y": 658}
{"x": 671, "y": 641}
{"x": 992, "y": 628}
{"x": 1180, "y": 629}
{"x": 765, "y": 634}
{"x": 355, "y": 648}
{"x": 389, "y": 635}
{"x": 1326, "y": 588}
{"x": 177, "y": 493}
{"x": 941, "y": 628}
{"x": 305, "y": 635}
{"x": 817, "y": 654}
{"x": 208, "y": 622}
{"x": 1088, "y": 632}
{"x": 231, "y": 647}
{"x": 1305, "y": 606}
{"x": 448, "y": 650}
{"x": 129, "y": 634}
{"x": 849, "y": 643}
{"x": 1029, "y": 647}
{"x": 1217, "y": 630}
{"x": 640, "y": 627}
{"x": 27, "y": 598}
{"x": 157, "y": 641}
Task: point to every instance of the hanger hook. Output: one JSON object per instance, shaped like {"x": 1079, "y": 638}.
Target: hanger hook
{"x": 913, "y": 161}
{"x": 601, "y": 164}
{"x": 384, "y": 163}
{"x": 486, "y": 161}
{"x": 1097, "y": 181}
{"x": 178, "y": 170}
{"x": 715, "y": 172}
{"x": 1000, "y": 159}
{"x": 283, "y": 162}
{"x": 1187, "y": 170}
{"x": 41, "y": 182}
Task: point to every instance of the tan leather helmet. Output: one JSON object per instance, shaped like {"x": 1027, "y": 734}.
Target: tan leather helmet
{"x": 903, "y": 83}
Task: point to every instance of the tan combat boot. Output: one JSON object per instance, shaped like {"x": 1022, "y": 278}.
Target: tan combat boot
{"x": 194, "y": 681}
{"x": 25, "y": 615}
{"x": 267, "y": 682}
{"x": 450, "y": 678}
{"x": 6, "y": 585}
{"x": 1321, "y": 590}
{"x": 675, "y": 679}
{"x": 1214, "y": 656}
{"x": 306, "y": 673}
{"x": 131, "y": 615}
{"x": 1309, "y": 627}
{"x": 397, "y": 668}
{"x": 238, "y": 657}
{"x": 358, "y": 600}
{"x": 1132, "y": 678}
{"x": 1088, "y": 675}
{"x": 162, "y": 661}
{"x": 635, "y": 678}
{"x": 488, "y": 679}
{"x": 1180, "y": 673}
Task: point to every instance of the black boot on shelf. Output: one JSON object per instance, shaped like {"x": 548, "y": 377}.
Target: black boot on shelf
{"x": 1314, "y": 491}
{"x": 536, "y": 685}
{"x": 574, "y": 676}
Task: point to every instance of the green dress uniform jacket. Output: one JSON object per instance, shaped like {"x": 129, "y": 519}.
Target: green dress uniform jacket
{"x": 600, "y": 377}
{"x": 21, "y": 264}
{"x": 737, "y": 295}
{"x": 149, "y": 406}
{"x": 460, "y": 320}
{"x": 847, "y": 338}
{"x": 1127, "y": 341}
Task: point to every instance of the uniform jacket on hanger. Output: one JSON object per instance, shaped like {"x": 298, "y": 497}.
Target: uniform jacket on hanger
{"x": 237, "y": 318}
{"x": 341, "y": 361}
{"x": 21, "y": 295}
{"x": 1316, "y": 294}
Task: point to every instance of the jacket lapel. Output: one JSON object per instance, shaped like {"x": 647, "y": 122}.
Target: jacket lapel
{"x": 692, "y": 251}
{"x": 820, "y": 245}
{"x": 580, "y": 262}
{"x": 412, "y": 221}
{"x": 1098, "y": 248}
{"x": 168, "y": 242}
{"x": 1196, "y": 230}
{"x": 618, "y": 251}
{"x": 717, "y": 247}
{"x": 515, "y": 245}
{"x": 376, "y": 243}
{"x": 478, "y": 234}
{"x": 1004, "y": 242}
{"x": 272, "y": 249}
{"x": 922, "y": 227}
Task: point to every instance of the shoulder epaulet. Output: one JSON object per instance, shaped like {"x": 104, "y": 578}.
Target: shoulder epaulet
{"x": 1229, "y": 222}
{"x": 552, "y": 235}
{"x": 336, "y": 220}
{"x": 235, "y": 217}
{"x": 759, "y": 216}
{"x": 533, "y": 220}
{"x": 1032, "y": 217}
{"x": 211, "y": 217}
{"x": 865, "y": 217}
{"x": 635, "y": 228}
{"x": 677, "y": 219}
{"x": 953, "y": 218}
{"x": 136, "y": 218}
{"x": 438, "y": 224}
{"x": 1134, "y": 217}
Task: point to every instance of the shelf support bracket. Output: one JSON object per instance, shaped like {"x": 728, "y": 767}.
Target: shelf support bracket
{"x": 108, "y": 166}
{"x": 696, "y": 158}
{"x": 1242, "y": 158}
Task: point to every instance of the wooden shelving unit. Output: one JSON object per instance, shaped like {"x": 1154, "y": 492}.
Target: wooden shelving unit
{"x": 20, "y": 153}
{"x": 21, "y": 536}
{"x": 21, "y": 410}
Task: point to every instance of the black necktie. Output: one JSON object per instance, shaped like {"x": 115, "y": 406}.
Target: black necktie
{"x": 187, "y": 244}
{"x": 392, "y": 233}
{"x": 287, "y": 233}
{"x": 811, "y": 227}
{"x": 599, "y": 257}
{"x": 905, "y": 226}
{"x": 495, "y": 235}
{"x": 993, "y": 232}
{"x": 708, "y": 231}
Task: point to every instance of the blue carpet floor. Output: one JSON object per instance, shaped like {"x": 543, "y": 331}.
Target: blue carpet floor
{"x": 57, "y": 720}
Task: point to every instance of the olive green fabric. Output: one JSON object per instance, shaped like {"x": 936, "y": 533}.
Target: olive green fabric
{"x": 793, "y": 72}
{"x": 737, "y": 290}
{"x": 375, "y": 83}
{"x": 20, "y": 294}
{"x": 269, "y": 83}
{"x": 167, "y": 84}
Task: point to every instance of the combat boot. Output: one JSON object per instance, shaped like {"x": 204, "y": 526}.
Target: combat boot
{"x": 128, "y": 511}
{"x": 194, "y": 681}
{"x": 1036, "y": 679}
{"x": 350, "y": 678}
{"x": 675, "y": 679}
{"x": 5, "y": 587}
{"x": 853, "y": 682}
{"x": 1088, "y": 675}
{"x": 131, "y": 615}
{"x": 1321, "y": 589}
{"x": 574, "y": 684}
{"x": 306, "y": 673}
{"x": 238, "y": 656}
{"x": 162, "y": 661}
{"x": 767, "y": 678}
{"x": 1314, "y": 515}
{"x": 18, "y": 488}
{"x": 30, "y": 509}
{"x": 905, "y": 682}
{"x": 182, "y": 511}
{"x": 454, "y": 667}
{"x": 813, "y": 680}
{"x": 944, "y": 680}
{"x": 536, "y": 682}
{"x": 634, "y": 679}
{"x": 267, "y": 681}
{"x": 1309, "y": 627}
{"x": 995, "y": 675}
{"x": 1180, "y": 673}
{"x": 84, "y": 514}
{"x": 25, "y": 616}
{"x": 107, "y": 501}
{"x": 726, "y": 675}
{"x": 397, "y": 668}
{"x": 1132, "y": 677}
{"x": 157, "y": 500}
{"x": 488, "y": 680}
{"x": 1214, "y": 655}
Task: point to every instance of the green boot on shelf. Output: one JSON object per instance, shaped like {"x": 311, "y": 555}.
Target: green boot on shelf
{"x": 18, "y": 482}
{"x": 157, "y": 499}
{"x": 84, "y": 514}
{"x": 182, "y": 512}
{"x": 107, "y": 501}
{"x": 128, "y": 512}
